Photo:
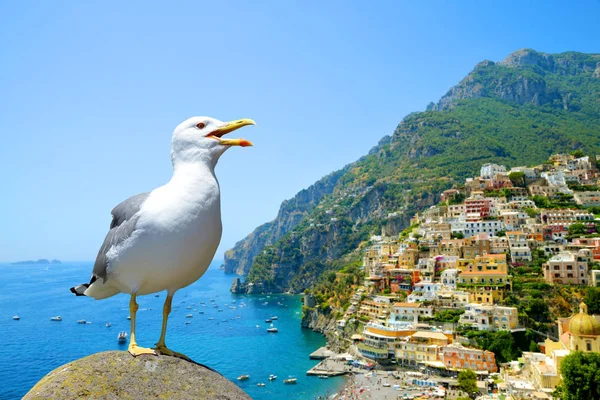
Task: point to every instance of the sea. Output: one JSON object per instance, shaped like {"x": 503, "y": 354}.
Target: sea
{"x": 234, "y": 341}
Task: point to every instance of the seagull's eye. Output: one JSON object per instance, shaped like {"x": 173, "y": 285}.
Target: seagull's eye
{"x": 200, "y": 125}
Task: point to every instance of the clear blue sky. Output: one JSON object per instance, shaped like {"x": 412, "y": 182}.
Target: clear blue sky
{"x": 91, "y": 92}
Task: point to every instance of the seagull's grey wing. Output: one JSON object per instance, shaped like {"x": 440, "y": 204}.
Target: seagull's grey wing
{"x": 125, "y": 216}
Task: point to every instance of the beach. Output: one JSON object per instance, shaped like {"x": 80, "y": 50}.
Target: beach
{"x": 381, "y": 385}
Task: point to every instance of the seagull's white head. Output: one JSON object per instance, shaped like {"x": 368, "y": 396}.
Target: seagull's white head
{"x": 200, "y": 139}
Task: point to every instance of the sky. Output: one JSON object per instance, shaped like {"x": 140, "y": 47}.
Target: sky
{"x": 90, "y": 93}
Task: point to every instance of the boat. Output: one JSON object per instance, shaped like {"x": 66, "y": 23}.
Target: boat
{"x": 81, "y": 321}
{"x": 108, "y": 324}
{"x": 188, "y": 322}
{"x": 275, "y": 318}
{"x": 57, "y": 318}
{"x": 212, "y": 300}
{"x": 258, "y": 326}
{"x": 189, "y": 307}
{"x": 219, "y": 310}
{"x": 200, "y": 312}
{"x": 272, "y": 377}
{"x": 268, "y": 320}
{"x": 156, "y": 295}
{"x": 290, "y": 381}
{"x": 189, "y": 316}
{"x": 129, "y": 317}
{"x": 211, "y": 318}
{"x": 122, "y": 336}
{"x": 260, "y": 384}
{"x": 323, "y": 377}
{"x": 16, "y": 318}
{"x": 243, "y": 377}
{"x": 272, "y": 329}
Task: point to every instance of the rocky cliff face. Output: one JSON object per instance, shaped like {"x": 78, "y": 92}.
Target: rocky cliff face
{"x": 118, "y": 375}
{"x": 239, "y": 259}
{"x": 524, "y": 77}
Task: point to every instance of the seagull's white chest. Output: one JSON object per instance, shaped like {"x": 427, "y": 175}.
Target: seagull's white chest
{"x": 176, "y": 237}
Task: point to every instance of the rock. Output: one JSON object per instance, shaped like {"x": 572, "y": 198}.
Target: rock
{"x": 118, "y": 375}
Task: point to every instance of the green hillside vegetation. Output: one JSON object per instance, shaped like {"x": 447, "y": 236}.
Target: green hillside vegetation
{"x": 431, "y": 151}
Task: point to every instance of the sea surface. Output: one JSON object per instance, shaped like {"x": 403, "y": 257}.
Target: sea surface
{"x": 34, "y": 345}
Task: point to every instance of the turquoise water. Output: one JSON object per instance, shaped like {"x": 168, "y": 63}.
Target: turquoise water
{"x": 34, "y": 346}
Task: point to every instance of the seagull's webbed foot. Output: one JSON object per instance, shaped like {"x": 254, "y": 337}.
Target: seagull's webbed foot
{"x": 136, "y": 350}
{"x": 164, "y": 350}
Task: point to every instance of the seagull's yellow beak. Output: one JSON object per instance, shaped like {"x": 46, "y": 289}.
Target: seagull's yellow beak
{"x": 230, "y": 127}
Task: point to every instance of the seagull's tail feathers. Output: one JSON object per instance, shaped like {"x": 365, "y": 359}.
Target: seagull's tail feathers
{"x": 79, "y": 290}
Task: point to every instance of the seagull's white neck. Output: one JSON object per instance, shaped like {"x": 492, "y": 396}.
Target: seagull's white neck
{"x": 195, "y": 175}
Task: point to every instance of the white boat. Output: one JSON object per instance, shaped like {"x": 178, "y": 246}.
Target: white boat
{"x": 272, "y": 377}
{"x": 268, "y": 320}
{"x": 260, "y": 384}
{"x": 243, "y": 377}
{"x": 211, "y": 318}
{"x": 275, "y": 318}
{"x": 290, "y": 381}
{"x": 272, "y": 329}
{"x": 57, "y": 318}
{"x": 258, "y": 326}
{"x": 122, "y": 336}
{"x": 108, "y": 324}
{"x": 189, "y": 307}
{"x": 16, "y": 318}
{"x": 129, "y": 317}
{"x": 189, "y": 316}
{"x": 156, "y": 295}
{"x": 323, "y": 377}
{"x": 81, "y": 321}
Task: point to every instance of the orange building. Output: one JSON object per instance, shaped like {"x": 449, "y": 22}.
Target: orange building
{"x": 456, "y": 356}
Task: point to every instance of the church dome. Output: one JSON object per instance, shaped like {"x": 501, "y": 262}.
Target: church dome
{"x": 583, "y": 323}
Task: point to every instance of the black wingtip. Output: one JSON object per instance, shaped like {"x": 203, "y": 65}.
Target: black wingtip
{"x": 81, "y": 290}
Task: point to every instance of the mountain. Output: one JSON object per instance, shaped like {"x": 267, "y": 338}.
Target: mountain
{"x": 515, "y": 112}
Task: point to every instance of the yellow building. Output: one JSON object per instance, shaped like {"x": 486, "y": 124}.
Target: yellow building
{"x": 485, "y": 278}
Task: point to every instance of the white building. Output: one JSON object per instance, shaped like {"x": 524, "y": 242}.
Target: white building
{"x": 487, "y": 226}
{"x": 489, "y": 317}
{"x": 488, "y": 171}
{"x": 424, "y": 291}
{"x": 405, "y": 314}
{"x": 448, "y": 278}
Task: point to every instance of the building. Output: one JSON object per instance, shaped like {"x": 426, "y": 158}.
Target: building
{"x": 489, "y": 170}
{"x": 587, "y": 199}
{"x": 580, "y": 332}
{"x": 375, "y": 310}
{"x": 569, "y": 268}
{"x": 517, "y": 243}
{"x": 491, "y": 226}
{"x": 456, "y": 356}
{"x": 424, "y": 291}
{"x": 421, "y": 348}
{"x": 486, "y": 317}
{"x": 485, "y": 278}
{"x": 403, "y": 313}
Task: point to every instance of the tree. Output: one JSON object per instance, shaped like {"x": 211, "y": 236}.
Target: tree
{"x": 517, "y": 178}
{"x": 592, "y": 299}
{"x": 577, "y": 229}
{"x": 581, "y": 376}
{"x": 458, "y": 235}
{"x": 467, "y": 382}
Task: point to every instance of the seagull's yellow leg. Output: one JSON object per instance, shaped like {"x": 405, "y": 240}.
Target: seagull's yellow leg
{"x": 161, "y": 347}
{"x": 134, "y": 349}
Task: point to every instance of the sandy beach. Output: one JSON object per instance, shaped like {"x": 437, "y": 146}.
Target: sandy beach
{"x": 380, "y": 385}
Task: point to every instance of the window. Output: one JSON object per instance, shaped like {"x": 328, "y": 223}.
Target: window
{"x": 588, "y": 346}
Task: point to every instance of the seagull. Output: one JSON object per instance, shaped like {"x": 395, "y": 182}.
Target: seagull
{"x": 166, "y": 239}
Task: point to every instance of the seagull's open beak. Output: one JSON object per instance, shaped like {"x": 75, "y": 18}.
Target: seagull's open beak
{"x": 230, "y": 127}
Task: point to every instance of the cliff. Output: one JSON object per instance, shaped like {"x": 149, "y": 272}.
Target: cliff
{"x": 515, "y": 112}
{"x": 239, "y": 259}
{"x": 118, "y": 375}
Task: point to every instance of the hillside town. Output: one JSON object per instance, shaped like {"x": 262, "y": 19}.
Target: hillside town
{"x": 452, "y": 272}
